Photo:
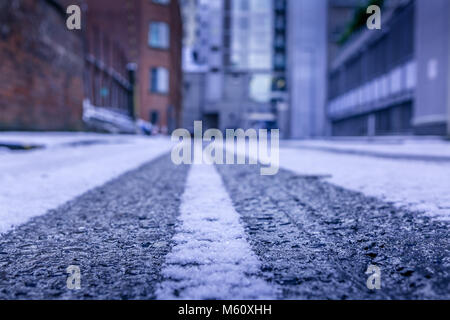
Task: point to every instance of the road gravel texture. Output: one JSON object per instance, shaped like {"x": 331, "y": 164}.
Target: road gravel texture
{"x": 317, "y": 240}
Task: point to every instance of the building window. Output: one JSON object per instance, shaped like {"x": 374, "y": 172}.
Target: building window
{"x": 243, "y": 5}
{"x": 161, "y": 1}
{"x": 279, "y": 41}
{"x": 280, "y": 5}
{"x": 159, "y": 35}
{"x": 260, "y": 87}
{"x": 280, "y": 22}
{"x": 279, "y": 61}
{"x": 159, "y": 80}
{"x": 251, "y": 32}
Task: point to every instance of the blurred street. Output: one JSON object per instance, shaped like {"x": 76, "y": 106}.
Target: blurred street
{"x": 325, "y": 128}
{"x": 150, "y": 229}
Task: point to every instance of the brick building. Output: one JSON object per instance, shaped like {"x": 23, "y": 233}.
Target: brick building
{"x": 159, "y": 73}
{"x": 142, "y": 33}
{"x": 109, "y": 30}
{"x": 41, "y": 68}
{"x": 47, "y": 71}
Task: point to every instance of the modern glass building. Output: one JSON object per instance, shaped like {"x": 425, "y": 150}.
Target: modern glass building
{"x": 237, "y": 83}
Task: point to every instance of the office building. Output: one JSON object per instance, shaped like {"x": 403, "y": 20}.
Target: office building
{"x": 394, "y": 80}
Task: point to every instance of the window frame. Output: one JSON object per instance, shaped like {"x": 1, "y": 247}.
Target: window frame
{"x": 161, "y": 2}
{"x": 154, "y": 85}
{"x": 150, "y": 40}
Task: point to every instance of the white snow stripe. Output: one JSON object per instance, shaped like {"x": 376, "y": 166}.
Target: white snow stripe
{"x": 211, "y": 258}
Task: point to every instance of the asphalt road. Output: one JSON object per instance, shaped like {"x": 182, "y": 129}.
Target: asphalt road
{"x": 317, "y": 240}
{"x": 117, "y": 234}
{"x": 312, "y": 240}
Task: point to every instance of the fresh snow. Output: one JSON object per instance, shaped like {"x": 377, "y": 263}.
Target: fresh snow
{"x": 62, "y": 139}
{"x": 211, "y": 258}
{"x": 33, "y": 182}
{"x": 400, "y": 146}
{"x": 422, "y": 186}
{"x": 416, "y": 185}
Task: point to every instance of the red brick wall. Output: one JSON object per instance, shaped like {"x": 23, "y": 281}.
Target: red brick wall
{"x": 111, "y": 43}
{"x": 42, "y": 65}
{"x": 117, "y": 20}
{"x": 41, "y": 68}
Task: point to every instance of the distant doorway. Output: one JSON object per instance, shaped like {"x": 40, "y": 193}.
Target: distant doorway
{"x": 154, "y": 117}
{"x": 210, "y": 121}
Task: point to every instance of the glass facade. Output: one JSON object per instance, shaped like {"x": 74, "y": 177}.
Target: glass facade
{"x": 252, "y": 37}
{"x": 260, "y": 87}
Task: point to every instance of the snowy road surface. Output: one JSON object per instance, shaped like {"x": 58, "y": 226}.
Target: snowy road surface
{"x": 390, "y": 147}
{"x": 32, "y": 182}
{"x": 140, "y": 227}
{"x": 422, "y": 186}
{"x": 414, "y": 175}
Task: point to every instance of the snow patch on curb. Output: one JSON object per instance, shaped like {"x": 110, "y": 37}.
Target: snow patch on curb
{"x": 211, "y": 258}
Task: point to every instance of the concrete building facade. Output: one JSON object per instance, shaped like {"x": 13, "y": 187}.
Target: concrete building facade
{"x": 394, "y": 80}
{"x": 432, "y": 55}
{"x": 307, "y": 54}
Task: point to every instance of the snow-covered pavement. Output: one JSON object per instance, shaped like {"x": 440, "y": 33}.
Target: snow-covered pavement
{"x": 33, "y": 182}
{"x": 163, "y": 231}
{"x": 62, "y": 139}
{"x": 425, "y": 148}
{"x": 414, "y": 173}
{"x": 417, "y": 185}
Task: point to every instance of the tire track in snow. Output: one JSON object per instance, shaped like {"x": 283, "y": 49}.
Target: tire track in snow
{"x": 211, "y": 258}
